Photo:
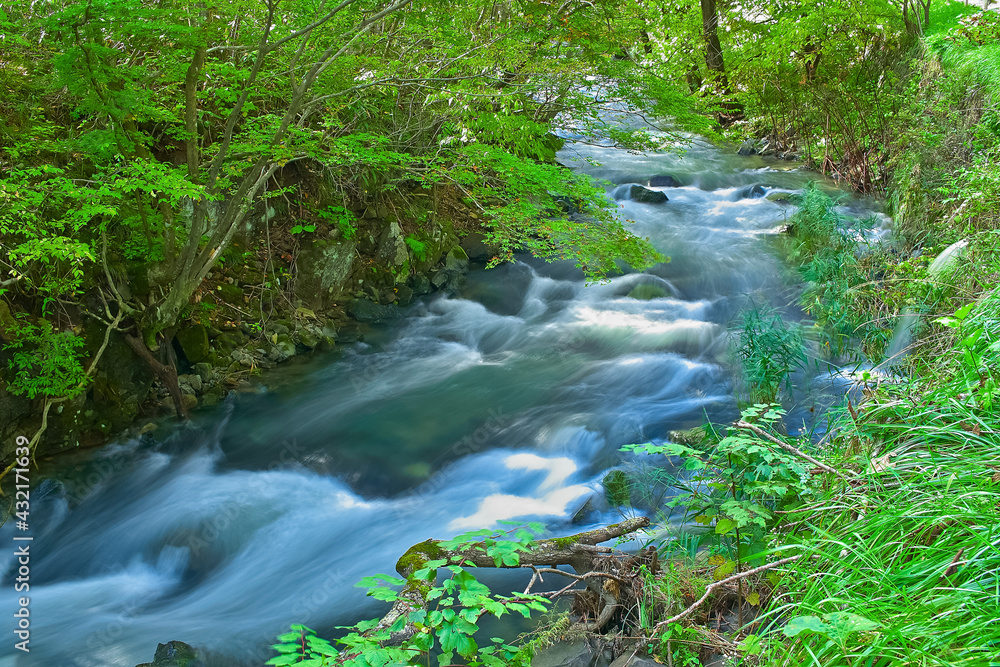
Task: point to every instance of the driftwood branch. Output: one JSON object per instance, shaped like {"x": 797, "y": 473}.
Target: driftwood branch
{"x": 788, "y": 448}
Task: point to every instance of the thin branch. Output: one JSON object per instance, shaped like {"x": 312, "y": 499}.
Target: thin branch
{"x": 788, "y": 448}
{"x": 727, "y": 580}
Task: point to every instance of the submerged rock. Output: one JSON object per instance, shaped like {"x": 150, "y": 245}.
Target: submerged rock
{"x": 636, "y": 192}
{"x": 755, "y": 191}
{"x": 174, "y": 654}
{"x": 663, "y": 181}
{"x": 647, "y": 292}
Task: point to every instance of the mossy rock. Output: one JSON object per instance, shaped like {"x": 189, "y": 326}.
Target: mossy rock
{"x": 194, "y": 342}
{"x": 174, "y": 654}
{"x": 456, "y": 260}
{"x": 230, "y": 294}
{"x": 647, "y": 292}
{"x": 617, "y": 488}
{"x": 691, "y": 437}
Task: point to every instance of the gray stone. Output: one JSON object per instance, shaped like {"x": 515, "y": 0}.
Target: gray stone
{"x": 193, "y": 381}
{"x": 575, "y": 653}
{"x": 323, "y": 268}
{"x": 283, "y": 349}
{"x": 392, "y": 250}
{"x": 204, "y": 371}
{"x": 630, "y": 659}
{"x": 277, "y": 328}
{"x": 404, "y": 295}
{"x": 456, "y": 260}
{"x": 364, "y": 310}
{"x": 638, "y": 193}
{"x": 421, "y": 284}
{"x": 755, "y": 191}
{"x": 439, "y": 279}
{"x": 474, "y": 245}
{"x": 747, "y": 148}
{"x": 174, "y": 654}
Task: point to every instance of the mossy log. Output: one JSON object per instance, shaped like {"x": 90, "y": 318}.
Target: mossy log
{"x": 578, "y": 551}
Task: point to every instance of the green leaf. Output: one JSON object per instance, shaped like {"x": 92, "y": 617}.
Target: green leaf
{"x": 801, "y": 624}
{"x": 725, "y": 525}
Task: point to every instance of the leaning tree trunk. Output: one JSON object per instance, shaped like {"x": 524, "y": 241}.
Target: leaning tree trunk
{"x": 166, "y": 373}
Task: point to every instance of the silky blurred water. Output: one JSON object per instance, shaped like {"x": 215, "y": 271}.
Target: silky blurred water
{"x": 506, "y": 401}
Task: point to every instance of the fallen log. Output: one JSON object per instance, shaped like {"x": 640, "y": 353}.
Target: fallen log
{"x": 579, "y": 551}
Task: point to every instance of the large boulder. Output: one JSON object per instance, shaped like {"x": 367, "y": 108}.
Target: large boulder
{"x": 639, "y": 193}
{"x": 194, "y": 343}
{"x": 474, "y": 245}
{"x": 323, "y": 268}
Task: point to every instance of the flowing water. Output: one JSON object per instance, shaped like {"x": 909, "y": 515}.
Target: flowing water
{"x": 509, "y": 400}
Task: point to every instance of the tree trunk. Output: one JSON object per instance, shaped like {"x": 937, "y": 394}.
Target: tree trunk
{"x": 713, "y": 48}
{"x": 167, "y": 374}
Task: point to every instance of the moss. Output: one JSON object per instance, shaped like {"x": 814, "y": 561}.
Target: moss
{"x": 414, "y": 559}
{"x": 563, "y": 542}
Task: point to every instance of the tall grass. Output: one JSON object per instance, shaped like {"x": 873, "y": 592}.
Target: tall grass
{"x": 913, "y": 542}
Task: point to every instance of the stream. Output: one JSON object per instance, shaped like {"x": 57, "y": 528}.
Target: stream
{"x": 507, "y": 401}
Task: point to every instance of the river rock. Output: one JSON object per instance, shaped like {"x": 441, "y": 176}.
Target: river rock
{"x": 192, "y": 380}
{"x": 636, "y": 192}
{"x": 747, "y": 148}
{"x": 663, "y": 181}
{"x": 474, "y": 245}
{"x": 194, "y": 342}
{"x": 647, "y": 292}
{"x": 392, "y": 250}
{"x": 364, "y": 310}
{"x": 404, "y": 295}
{"x": 204, "y": 371}
{"x": 456, "y": 260}
{"x": 755, "y": 191}
{"x": 308, "y": 338}
{"x": 230, "y": 294}
{"x": 421, "y": 284}
{"x": 282, "y": 349}
{"x": 174, "y": 654}
{"x": 323, "y": 267}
